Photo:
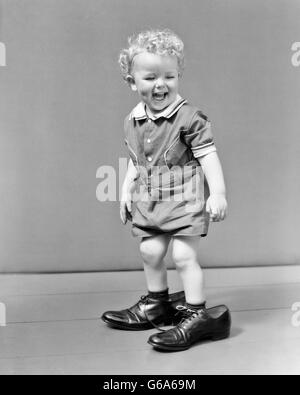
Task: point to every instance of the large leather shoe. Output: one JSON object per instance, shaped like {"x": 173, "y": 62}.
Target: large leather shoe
{"x": 147, "y": 313}
{"x": 197, "y": 325}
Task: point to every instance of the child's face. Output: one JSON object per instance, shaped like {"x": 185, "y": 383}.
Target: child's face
{"x": 155, "y": 78}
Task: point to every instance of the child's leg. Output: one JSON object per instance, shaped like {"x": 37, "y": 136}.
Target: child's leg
{"x": 198, "y": 323}
{"x": 153, "y": 250}
{"x": 185, "y": 256}
{"x": 157, "y": 307}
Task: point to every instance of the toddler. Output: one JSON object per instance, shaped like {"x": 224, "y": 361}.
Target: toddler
{"x": 173, "y": 189}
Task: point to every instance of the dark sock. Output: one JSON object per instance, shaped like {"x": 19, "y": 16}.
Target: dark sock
{"x": 196, "y": 306}
{"x": 159, "y": 295}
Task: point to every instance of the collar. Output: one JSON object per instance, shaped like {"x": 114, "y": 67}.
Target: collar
{"x": 139, "y": 112}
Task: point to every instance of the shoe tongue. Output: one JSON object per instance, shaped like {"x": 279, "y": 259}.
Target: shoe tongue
{"x": 196, "y": 306}
{"x": 192, "y": 312}
{"x": 163, "y": 295}
{"x": 196, "y": 312}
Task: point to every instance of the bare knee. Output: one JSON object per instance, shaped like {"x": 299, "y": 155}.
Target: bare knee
{"x": 183, "y": 262}
{"x": 184, "y": 255}
{"x": 153, "y": 250}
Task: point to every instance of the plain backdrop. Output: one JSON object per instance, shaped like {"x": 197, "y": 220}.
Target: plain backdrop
{"x": 62, "y": 105}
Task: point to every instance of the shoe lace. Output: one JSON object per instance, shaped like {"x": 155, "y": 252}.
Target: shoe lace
{"x": 145, "y": 299}
{"x": 188, "y": 314}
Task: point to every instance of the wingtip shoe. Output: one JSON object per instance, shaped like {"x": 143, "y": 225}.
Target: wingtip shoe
{"x": 147, "y": 313}
{"x": 197, "y": 325}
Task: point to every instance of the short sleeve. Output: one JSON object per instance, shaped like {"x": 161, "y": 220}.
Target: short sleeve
{"x": 198, "y": 137}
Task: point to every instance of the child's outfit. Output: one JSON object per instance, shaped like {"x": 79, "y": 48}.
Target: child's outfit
{"x": 171, "y": 185}
{"x": 171, "y": 196}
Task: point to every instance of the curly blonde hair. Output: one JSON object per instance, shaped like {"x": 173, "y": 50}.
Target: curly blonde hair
{"x": 161, "y": 42}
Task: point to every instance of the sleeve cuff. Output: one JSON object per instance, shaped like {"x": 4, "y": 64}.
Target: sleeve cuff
{"x": 203, "y": 151}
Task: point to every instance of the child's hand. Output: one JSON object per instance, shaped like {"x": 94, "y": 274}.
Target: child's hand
{"x": 126, "y": 208}
{"x": 216, "y": 206}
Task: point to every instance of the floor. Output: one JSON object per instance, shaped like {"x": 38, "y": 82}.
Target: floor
{"x": 53, "y": 327}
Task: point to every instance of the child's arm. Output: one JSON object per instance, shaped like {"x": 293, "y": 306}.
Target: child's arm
{"x": 127, "y": 191}
{"x": 216, "y": 204}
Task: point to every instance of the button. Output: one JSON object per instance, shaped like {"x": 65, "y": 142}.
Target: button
{"x": 149, "y": 159}
{"x": 148, "y": 140}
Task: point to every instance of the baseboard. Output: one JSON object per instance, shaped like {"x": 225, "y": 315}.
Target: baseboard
{"x": 249, "y": 276}
{"x": 94, "y": 282}
{"x": 240, "y": 277}
{"x": 216, "y": 277}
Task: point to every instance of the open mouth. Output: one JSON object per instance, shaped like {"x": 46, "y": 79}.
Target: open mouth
{"x": 159, "y": 96}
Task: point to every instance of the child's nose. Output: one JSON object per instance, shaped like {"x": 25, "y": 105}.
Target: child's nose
{"x": 159, "y": 83}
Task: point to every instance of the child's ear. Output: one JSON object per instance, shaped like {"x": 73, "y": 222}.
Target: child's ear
{"x": 131, "y": 82}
